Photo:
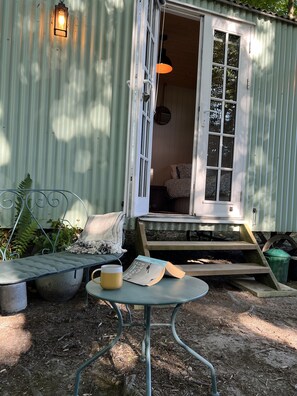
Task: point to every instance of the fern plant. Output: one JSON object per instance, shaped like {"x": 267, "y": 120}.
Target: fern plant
{"x": 26, "y": 228}
{"x": 59, "y": 236}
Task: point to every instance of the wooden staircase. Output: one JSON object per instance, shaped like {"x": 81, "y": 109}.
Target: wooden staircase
{"x": 254, "y": 262}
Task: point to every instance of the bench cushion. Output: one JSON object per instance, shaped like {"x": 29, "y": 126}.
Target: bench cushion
{"x": 102, "y": 234}
{"x": 30, "y": 268}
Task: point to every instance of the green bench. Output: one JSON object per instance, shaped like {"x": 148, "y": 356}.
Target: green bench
{"x": 35, "y": 207}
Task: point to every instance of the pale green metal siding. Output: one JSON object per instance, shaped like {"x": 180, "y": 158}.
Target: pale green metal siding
{"x": 63, "y": 102}
{"x": 271, "y": 182}
{"x": 272, "y": 164}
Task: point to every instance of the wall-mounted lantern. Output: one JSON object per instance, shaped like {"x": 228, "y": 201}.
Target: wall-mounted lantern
{"x": 61, "y": 20}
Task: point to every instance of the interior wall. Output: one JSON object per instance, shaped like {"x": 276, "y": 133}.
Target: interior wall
{"x": 173, "y": 142}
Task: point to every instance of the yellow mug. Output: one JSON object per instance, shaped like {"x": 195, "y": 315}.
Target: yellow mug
{"x": 111, "y": 276}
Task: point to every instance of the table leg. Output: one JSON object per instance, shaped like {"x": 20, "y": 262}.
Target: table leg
{"x": 103, "y": 350}
{"x": 147, "y": 343}
{"x": 214, "y": 391}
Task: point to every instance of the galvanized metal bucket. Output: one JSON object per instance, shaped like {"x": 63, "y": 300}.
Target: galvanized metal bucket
{"x": 13, "y": 298}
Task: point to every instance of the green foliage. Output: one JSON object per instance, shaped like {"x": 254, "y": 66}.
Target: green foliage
{"x": 4, "y": 236}
{"x": 26, "y": 226}
{"x": 31, "y": 238}
{"x": 59, "y": 236}
{"x": 279, "y": 7}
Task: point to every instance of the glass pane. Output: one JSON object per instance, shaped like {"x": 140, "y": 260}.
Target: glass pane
{"x": 152, "y": 19}
{"x": 151, "y": 57}
{"x": 231, "y": 84}
{"x": 145, "y": 174}
{"x": 213, "y": 150}
{"x": 140, "y": 177}
{"x": 147, "y": 50}
{"x": 143, "y": 136}
{"x": 225, "y": 186}
{"x": 211, "y": 184}
{"x": 148, "y": 106}
{"x": 142, "y": 184}
{"x": 219, "y": 47}
{"x": 148, "y": 127}
{"x": 233, "y": 50}
{"x": 149, "y": 12}
{"x": 217, "y": 82}
{"x": 227, "y": 152}
{"x": 146, "y": 136}
{"x": 230, "y": 118}
{"x": 215, "y": 116}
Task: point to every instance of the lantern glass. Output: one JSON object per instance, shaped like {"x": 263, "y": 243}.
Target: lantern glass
{"x": 61, "y": 20}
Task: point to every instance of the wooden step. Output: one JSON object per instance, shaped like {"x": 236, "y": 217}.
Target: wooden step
{"x": 224, "y": 269}
{"x": 257, "y": 267}
{"x": 262, "y": 290}
{"x": 200, "y": 245}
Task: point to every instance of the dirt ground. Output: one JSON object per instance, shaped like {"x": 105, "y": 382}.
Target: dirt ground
{"x": 252, "y": 343}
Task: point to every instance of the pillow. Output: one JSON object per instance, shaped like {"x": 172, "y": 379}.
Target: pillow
{"x": 184, "y": 171}
{"x": 173, "y": 172}
{"x": 102, "y": 234}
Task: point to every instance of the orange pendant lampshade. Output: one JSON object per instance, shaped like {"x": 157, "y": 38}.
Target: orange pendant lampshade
{"x": 164, "y": 65}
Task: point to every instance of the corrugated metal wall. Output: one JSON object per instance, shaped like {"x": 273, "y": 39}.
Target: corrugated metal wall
{"x": 271, "y": 183}
{"x": 272, "y": 165}
{"x": 63, "y": 102}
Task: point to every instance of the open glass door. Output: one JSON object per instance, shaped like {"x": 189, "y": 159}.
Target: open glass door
{"x": 142, "y": 104}
{"x": 223, "y": 120}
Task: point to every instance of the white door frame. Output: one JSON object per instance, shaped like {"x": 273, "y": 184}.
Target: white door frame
{"x": 136, "y": 205}
{"x": 201, "y": 207}
{"x": 141, "y": 112}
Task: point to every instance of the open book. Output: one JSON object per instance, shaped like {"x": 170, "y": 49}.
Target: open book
{"x": 147, "y": 271}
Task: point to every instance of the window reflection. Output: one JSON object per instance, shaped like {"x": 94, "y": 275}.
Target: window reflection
{"x": 213, "y": 150}
{"x": 211, "y": 184}
{"x": 225, "y": 186}
{"x": 230, "y": 118}
{"x": 227, "y": 152}
{"x": 233, "y": 50}
{"x": 222, "y": 116}
{"x": 231, "y": 84}
{"x": 217, "y": 82}
{"x": 215, "y": 116}
{"x": 219, "y": 47}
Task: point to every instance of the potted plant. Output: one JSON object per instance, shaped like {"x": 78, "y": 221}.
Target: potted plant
{"x": 14, "y": 243}
{"x": 63, "y": 286}
{"x": 28, "y": 237}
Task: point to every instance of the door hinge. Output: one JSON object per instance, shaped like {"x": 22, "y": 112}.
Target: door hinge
{"x": 247, "y": 83}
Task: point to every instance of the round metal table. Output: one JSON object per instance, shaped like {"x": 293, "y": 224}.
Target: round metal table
{"x": 169, "y": 291}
